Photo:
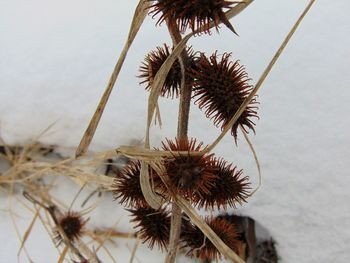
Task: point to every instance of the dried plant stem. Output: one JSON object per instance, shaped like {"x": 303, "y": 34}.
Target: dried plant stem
{"x": 175, "y": 231}
{"x": 182, "y": 130}
{"x": 139, "y": 16}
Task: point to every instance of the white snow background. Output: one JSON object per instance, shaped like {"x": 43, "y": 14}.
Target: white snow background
{"x": 56, "y": 58}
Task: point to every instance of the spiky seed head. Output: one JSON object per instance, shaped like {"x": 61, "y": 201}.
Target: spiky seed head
{"x": 153, "y": 226}
{"x": 201, "y": 247}
{"x": 155, "y": 59}
{"x": 220, "y": 88}
{"x": 72, "y": 225}
{"x": 230, "y": 187}
{"x": 127, "y": 186}
{"x": 189, "y": 175}
{"x": 193, "y": 14}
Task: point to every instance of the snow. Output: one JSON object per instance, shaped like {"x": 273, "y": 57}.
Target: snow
{"x": 56, "y": 58}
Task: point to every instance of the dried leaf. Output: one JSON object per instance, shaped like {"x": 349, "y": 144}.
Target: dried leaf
{"x": 255, "y": 158}
{"x": 152, "y": 198}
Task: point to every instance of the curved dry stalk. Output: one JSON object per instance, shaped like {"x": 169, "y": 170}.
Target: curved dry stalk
{"x": 139, "y": 16}
{"x": 251, "y": 147}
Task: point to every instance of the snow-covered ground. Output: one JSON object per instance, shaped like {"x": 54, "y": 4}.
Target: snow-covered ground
{"x": 56, "y": 58}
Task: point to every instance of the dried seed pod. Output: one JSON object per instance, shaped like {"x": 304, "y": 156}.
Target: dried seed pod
{"x": 154, "y": 60}
{"x": 127, "y": 186}
{"x": 220, "y": 87}
{"x": 189, "y": 175}
{"x": 153, "y": 225}
{"x": 229, "y": 187}
{"x": 72, "y": 225}
{"x": 193, "y": 14}
{"x": 201, "y": 247}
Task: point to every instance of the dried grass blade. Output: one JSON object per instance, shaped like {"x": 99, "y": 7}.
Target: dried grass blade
{"x": 152, "y": 199}
{"x": 158, "y": 116}
{"x": 159, "y": 80}
{"x": 18, "y": 233}
{"x": 207, "y": 231}
{"x": 139, "y": 16}
{"x": 63, "y": 255}
{"x": 147, "y": 154}
{"x": 92, "y": 256}
{"x": 81, "y": 177}
{"x": 134, "y": 249}
{"x": 28, "y": 231}
{"x": 261, "y": 80}
{"x": 255, "y": 158}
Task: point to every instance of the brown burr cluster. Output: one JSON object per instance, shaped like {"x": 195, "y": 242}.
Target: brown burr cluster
{"x": 219, "y": 86}
{"x": 154, "y": 60}
{"x": 203, "y": 180}
{"x": 200, "y": 247}
{"x": 193, "y": 14}
{"x": 72, "y": 225}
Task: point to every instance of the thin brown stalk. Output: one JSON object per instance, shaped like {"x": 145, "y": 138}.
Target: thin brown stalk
{"x": 182, "y": 130}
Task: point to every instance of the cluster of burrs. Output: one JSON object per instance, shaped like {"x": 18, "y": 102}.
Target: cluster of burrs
{"x": 219, "y": 86}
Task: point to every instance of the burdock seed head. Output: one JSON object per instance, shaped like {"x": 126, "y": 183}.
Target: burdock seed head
{"x": 193, "y": 14}
{"x": 201, "y": 247}
{"x": 153, "y": 226}
{"x": 230, "y": 187}
{"x": 127, "y": 188}
{"x": 220, "y": 87}
{"x": 155, "y": 59}
{"x": 189, "y": 175}
{"x": 72, "y": 225}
